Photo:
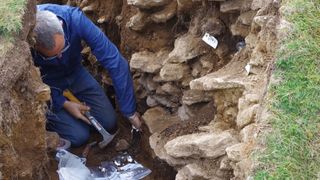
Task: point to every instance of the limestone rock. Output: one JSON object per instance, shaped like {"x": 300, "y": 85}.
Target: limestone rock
{"x": 147, "y": 4}
{"x": 236, "y": 152}
{"x": 258, "y": 57}
{"x": 247, "y": 100}
{"x": 213, "y": 26}
{"x": 261, "y": 20}
{"x": 167, "y": 13}
{"x": 284, "y": 28}
{"x": 84, "y": 3}
{"x": 251, "y": 40}
{"x": 208, "y": 62}
{"x": 184, "y": 113}
{"x": 157, "y": 142}
{"x": 187, "y": 47}
{"x": 231, "y": 6}
{"x": 184, "y": 174}
{"x": 90, "y": 8}
{"x": 239, "y": 29}
{"x": 151, "y": 102}
{"x": 242, "y": 169}
{"x": 147, "y": 82}
{"x": 157, "y": 78}
{"x": 206, "y": 145}
{"x": 102, "y": 19}
{"x": 243, "y": 104}
{"x": 157, "y": 119}
{"x": 257, "y": 4}
{"x": 171, "y": 102}
{"x": 247, "y": 17}
{"x": 208, "y": 83}
{"x": 170, "y": 89}
{"x": 226, "y": 102}
{"x": 225, "y": 163}
{"x": 190, "y": 171}
{"x": 150, "y": 85}
{"x": 252, "y": 98}
{"x": 249, "y": 133}
{"x": 187, "y": 5}
{"x": 204, "y": 169}
{"x": 146, "y": 61}
{"x": 173, "y": 72}
{"x": 195, "y": 96}
{"x": 197, "y": 20}
{"x": 138, "y": 21}
{"x": 247, "y": 116}
{"x": 215, "y": 127}
{"x": 159, "y": 91}
{"x": 246, "y": 5}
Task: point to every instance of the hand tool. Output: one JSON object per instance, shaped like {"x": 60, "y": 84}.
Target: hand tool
{"x": 107, "y": 137}
{"x": 135, "y": 142}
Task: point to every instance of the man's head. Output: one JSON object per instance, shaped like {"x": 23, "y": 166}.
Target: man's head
{"x": 49, "y": 34}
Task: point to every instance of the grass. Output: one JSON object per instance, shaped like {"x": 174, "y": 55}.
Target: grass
{"x": 11, "y": 12}
{"x": 293, "y": 147}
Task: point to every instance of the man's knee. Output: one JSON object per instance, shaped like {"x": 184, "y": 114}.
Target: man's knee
{"x": 79, "y": 138}
{"x": 110, "y": 122}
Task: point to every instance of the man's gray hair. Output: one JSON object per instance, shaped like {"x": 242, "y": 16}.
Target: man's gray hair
{"x": 47, "y": 25}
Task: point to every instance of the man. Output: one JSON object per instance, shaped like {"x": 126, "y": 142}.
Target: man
{"x": 58, "y": 32}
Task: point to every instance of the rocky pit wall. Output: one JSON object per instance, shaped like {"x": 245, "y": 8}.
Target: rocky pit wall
{"x": 22, "y": 121}
{"x": 200, "y": 104}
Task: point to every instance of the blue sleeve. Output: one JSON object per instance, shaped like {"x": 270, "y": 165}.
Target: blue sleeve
{"x": 111, "y": 59}
{"x": 57, "y": 99}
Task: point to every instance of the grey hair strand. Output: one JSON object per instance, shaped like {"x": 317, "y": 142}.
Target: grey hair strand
{"x": 47, "y": 25}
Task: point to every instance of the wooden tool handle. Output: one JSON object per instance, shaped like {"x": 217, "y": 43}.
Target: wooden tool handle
{"x": 68, "y": 94}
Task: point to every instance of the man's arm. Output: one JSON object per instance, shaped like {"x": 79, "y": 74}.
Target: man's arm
{"x": 57, "y": 99}
{"x": 111, "y": 59}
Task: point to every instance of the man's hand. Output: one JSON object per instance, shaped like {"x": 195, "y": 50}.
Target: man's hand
{"x": 136, "y": 120}
{"x": 77, "y": 110}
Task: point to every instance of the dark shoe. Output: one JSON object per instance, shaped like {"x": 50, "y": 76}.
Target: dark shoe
{"x": 63, "y": 144}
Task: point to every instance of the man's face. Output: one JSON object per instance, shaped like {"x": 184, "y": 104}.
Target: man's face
{"x": 56, "y": 51}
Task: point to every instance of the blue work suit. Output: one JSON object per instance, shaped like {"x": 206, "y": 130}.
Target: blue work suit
{"x": 68, "y": 73}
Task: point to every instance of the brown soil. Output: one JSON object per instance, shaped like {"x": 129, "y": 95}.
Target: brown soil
{"x": 22, "y": 120}
{"x": 153, "y": 37}
{"x": 205, "y": 114}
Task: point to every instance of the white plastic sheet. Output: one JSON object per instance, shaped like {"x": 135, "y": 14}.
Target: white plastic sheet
{"x": 71, "y": 167}
{"x": 122, "y": 167}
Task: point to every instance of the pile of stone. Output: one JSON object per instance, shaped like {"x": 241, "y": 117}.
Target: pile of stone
{"x": 193, "y": 72}
{"x": 165, "y": 75}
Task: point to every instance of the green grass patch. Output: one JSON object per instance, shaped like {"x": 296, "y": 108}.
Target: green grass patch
{"x": 11, "y": 12}
{"x": 293, "y": 147}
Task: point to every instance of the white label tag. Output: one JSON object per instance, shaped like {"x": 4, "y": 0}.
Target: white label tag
{"x": 210, "y": 40}
{"x": 248, "y": 68}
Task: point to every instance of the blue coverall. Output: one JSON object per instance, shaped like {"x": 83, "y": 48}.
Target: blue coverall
{"x": 68, "y": 73}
